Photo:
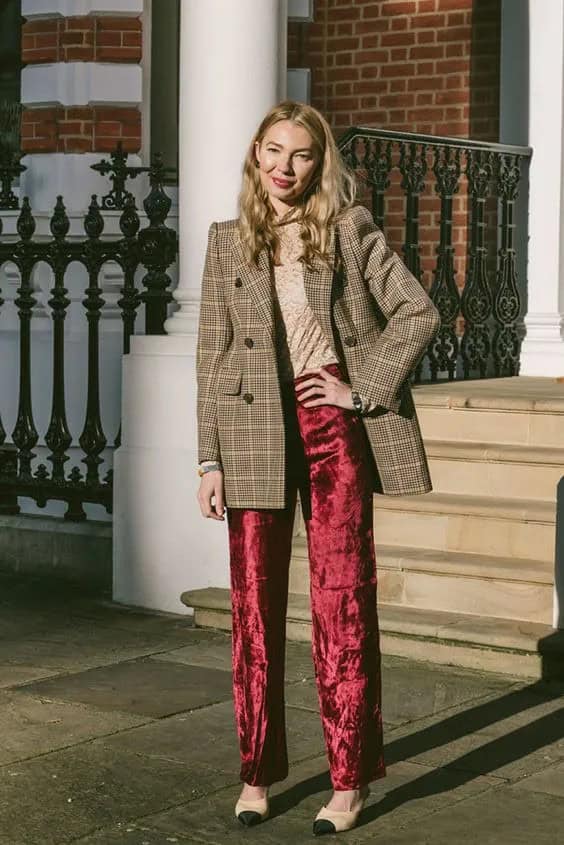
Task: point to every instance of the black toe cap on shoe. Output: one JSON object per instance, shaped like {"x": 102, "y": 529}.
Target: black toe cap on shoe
{"x": 322, "y": 826}
{"x": 248, "y": 818}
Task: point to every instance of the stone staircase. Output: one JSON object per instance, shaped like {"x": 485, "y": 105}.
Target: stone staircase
{"x": 466, "y": 573}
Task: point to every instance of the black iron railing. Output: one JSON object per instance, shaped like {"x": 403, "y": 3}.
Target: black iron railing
{"x": 481, "y": 326}
{"x": 153, "y": 248}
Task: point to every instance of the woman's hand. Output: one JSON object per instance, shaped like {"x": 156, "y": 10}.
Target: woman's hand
{"x": 211, "y": 486}
{"x": 333, "y": 391}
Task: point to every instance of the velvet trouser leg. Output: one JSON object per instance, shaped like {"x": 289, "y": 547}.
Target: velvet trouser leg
{"x": 328, "y": 461}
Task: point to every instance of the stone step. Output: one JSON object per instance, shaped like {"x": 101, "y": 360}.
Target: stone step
{"x": 502, "y": 469}
{"x": 508, "y": 588}
{"x": 524, "y": 410}
{"x": 461, "y": 523}
{"x": 519, "y": 649}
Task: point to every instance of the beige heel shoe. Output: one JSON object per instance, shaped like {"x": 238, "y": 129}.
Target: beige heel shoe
{"x": 334, "y": 821}
{"x": 252, "y": 812}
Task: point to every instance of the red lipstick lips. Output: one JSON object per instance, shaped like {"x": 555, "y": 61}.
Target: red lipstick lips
{"x": 282, "y": 183}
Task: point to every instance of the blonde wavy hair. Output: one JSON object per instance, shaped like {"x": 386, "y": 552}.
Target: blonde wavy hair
{"x": 331, "y": 191}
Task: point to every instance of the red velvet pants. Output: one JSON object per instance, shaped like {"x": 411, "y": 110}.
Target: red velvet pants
{"x": 328, "y": 461}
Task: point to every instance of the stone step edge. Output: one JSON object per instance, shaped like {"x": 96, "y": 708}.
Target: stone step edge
{"x": 499, "y": 453}
{"x": 521, "y": 510}
{"x": 458, "y": 629}
{"x": 448, "y": 563}
{"x": 462, "y": 396}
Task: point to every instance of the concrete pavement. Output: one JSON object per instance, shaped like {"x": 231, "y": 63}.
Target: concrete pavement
{"x": 116, "y": 726}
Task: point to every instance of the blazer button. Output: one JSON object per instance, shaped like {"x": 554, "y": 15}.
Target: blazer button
{"x": 238, "y": 283}
{"x": 350, "y": 340}
{"x": 248, "y": 397}
{"x": 249, "y": 342}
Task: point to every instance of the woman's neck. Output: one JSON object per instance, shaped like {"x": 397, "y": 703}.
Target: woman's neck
{"x": 287, "y": 214}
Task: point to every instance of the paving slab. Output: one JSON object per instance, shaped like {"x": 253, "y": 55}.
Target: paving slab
{"x": 48, "y": 653}
{"x": 147, "y": 687}
{"x": 132, "y": 739}
{"x": 56, "y": 798}
{"x": 429, "y": 690}
{"x": 507, "y": 816}
{"x": 484, "y": 740}
{"x": 132, "y": 833}
{"x": 414, "y": 690}
{"x": 549, "y": 781}
{"x": 208, "y": 736}
{"x": 217, "y": 653}
{"x": 295, "y": 802}
{"x": 30, "y": 725}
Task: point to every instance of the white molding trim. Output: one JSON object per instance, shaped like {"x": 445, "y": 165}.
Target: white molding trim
{"x": 300, "y": 10}
{"x": 82, "y": 84}
{"x": 299, "y": 84}
{"x": 542, "y": 353}
{"x": 35, "y": 9}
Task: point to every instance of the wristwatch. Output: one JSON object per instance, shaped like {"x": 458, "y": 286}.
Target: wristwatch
{"x": 358, "y": 404}
{"x": 209, "y": 467}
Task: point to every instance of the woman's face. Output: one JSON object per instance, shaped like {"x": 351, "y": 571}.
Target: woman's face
{"x": 287, "y": 163}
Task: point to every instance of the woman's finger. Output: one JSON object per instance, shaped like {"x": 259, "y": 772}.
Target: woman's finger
{"x": 219, "y": 506}
{"x": 311, "y": 391}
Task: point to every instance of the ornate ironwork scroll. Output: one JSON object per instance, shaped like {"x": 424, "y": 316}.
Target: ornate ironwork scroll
{"x": 118, "y": 172}
{"x": 92, "y": 439}
{"x": 476, "y": 303}
{"x": 507, "y": 302}
{"x": 443, "y": 351}
{"x": 413, "y": 168}
{"x": 158, "y": 248}
{"x": 25, "y": 434}
{"x": 156, "y": 244}
{"x": 58, "y": 437}
{"x": 378, "y": 164}
{"x": 10, "y": 168}
{"x": 486, "y": 320}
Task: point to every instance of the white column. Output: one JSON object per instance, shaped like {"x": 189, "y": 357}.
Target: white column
{"x": 223, "y": 95}
{"x": 162, "y": 545}
{"x": 543, "y": 347}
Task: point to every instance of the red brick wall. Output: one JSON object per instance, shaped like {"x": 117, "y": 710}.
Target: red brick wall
{"x": 428, "y": 66}
{"x": 80, "y": 129}
{"x": 414, "y": 65}
{"x": 82, "y": 39}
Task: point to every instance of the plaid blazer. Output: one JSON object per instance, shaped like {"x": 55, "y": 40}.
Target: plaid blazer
{"x": 378, "y": 320}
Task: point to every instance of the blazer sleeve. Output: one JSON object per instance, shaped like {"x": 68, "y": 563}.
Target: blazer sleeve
{"x": 215, "y": 334}
{"x": 411, "y": 318}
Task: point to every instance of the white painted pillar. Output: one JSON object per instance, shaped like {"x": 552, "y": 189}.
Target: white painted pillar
{"x": 162, "y": 545}
{"x": 543, "y": 348}
{"x": 223, "y": 96}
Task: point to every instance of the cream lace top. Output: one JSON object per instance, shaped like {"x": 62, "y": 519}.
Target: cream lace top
{"x": 301, "y": 343}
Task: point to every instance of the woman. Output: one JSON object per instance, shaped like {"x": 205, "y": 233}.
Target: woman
{"x": 309, "y": 329}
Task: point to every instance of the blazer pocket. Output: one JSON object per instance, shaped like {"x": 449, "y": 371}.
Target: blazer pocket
{"x": 229, "y": 381}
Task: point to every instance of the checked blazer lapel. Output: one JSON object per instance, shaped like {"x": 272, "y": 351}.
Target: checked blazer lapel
{"x": 318, "y": 283}
{"x": 257, "y": 280}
